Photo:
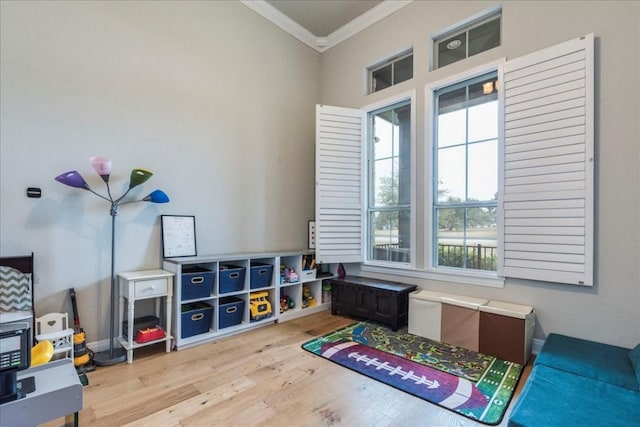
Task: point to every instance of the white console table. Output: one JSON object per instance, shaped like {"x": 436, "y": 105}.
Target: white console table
{"x": 140, "y": 285}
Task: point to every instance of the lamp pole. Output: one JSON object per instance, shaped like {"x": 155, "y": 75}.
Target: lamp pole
{"x": 102, "y": 166}
{"x": 113, "y": 355}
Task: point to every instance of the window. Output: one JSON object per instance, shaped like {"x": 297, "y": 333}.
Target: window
{"x": 391, "y": 72}
{"x": 470, "y": 40}
{"x": 389, "y": 206}
{"x": 465, "y": 153}
{"x": 511, "y": 160}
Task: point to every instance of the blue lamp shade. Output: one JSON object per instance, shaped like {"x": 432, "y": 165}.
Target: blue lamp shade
{"x": 72, "y": 179}
{"x": 139, "y": 176}
{"x": 156, "y": 196}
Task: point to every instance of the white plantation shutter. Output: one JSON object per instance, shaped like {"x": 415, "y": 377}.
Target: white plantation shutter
{"x": 548, "y": 165}
{"x": 339, "y": 184}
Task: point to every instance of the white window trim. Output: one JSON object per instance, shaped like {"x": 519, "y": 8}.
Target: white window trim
{"x": 411, "y": 97}
{"x": 460, "y": 277}
{"x": 444, "y": 273}
{"x": 458, "y": 27}
{"x": 369, "y": 67}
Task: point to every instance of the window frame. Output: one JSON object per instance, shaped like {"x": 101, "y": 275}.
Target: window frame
{"x": 465, "y": 204}
{"x": 388, "y": 61}
{"x": 463, "y": 27}
{"x": 431, "y": 90}
{"x": 409, "y": 96}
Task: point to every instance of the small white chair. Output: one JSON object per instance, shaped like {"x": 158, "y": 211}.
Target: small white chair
{"x": 54, "y": 327}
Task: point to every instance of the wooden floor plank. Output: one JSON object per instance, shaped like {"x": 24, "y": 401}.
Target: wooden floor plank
{"x": 261, "y": 377}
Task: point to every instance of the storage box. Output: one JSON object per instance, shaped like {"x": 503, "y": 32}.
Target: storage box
{"x": 230, "y": 312}
{"x": 506, "y": 330}
{"x": 231, "y": 278}
{"x": 306, "y": 275}
{"x": 196, "y": 319}
{"x": 139, "y": 323}
{"x": 461, "y": 321}
{"x": 260, "y": 275}
{"x": 197, "y": 282}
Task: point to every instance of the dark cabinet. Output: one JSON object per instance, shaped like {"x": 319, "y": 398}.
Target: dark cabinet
{"x": 379, "y": 300}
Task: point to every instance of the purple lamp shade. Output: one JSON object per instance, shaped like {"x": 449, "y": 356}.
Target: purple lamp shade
{"x": 156, "y": 196}
{"x": 72, "y": 179}
{"x": 102, "y": 165}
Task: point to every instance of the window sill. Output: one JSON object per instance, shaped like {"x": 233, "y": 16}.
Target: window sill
{"x": 476, "y": 279}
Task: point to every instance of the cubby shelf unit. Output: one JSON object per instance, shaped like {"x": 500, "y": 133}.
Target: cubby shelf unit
{"x": 216, "y": 263}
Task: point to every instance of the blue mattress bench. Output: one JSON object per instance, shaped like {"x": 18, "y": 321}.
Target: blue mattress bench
{"x": 575, "y": 382}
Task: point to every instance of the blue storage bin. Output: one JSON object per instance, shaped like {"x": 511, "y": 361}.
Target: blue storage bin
{"x": 197, "y": 282}
{"x": 196, "y": 319}
{"x": 260, "y": 275}
{"x": 231, "y": 278}
{"x": 230, "y": 312}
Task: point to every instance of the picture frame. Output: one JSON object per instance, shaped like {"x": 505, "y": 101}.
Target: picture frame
{"x": 178, "y": 236}
{"x": 312, "y": 234}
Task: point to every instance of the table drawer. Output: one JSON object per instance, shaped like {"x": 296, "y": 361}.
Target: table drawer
{"x": 151, "y": 288}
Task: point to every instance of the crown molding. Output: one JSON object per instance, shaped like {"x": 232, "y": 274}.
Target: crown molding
{"x": 322, "y": 44}
{"x": 365, "y": 20}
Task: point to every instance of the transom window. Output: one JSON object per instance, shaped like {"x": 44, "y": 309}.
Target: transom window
{"x": 389, "y": 206}
{"x": 392, "y": 71}
{"x": 465, "y": 156}
{"x": 467, "y": 41}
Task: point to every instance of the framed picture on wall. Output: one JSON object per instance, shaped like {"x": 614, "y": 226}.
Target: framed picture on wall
{"x": 178, "y": 235}
{"x": 312, "y": 234}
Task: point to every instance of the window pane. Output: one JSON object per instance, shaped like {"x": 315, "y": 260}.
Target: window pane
{"x": 481, "y": 239}
{"x": 452, "y": 50}
{"x": 484, "y": 37}
{"x": 403, "y": 69}
{"x": 483, "y": 121}
{"x": 381, "y": 78}
{"x": 385, "y": 184}
{"x": 452, "y": 128}
{"x": 387, "y": 242}
{"x": 383, "y": 136}
{"x": 450, "y": 237}
{"x": 451, "y": 174}
{"x": 469, "y": 245}
{"x": 483, "y": 171}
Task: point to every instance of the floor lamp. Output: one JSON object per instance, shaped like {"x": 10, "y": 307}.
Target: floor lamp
{"x": 102, "y": 166}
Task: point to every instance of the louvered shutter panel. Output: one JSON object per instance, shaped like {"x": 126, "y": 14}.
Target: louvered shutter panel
{"x": 548, "y": 165}
{"x": 339, "y": 184}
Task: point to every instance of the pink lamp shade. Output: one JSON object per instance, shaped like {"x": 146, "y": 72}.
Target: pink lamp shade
{"x": 72, "y": 179}
{"x": 102, "y": 165}
{"x": 156, "y": 196}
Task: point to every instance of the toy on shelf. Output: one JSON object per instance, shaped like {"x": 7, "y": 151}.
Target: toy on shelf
{"x": 307, "y": 299}
{"x": 288, "y": 275}
{"x": 259, "y": 305}
{"x": 286, "y": 303}
{"x": 149, "y": 334}
{"x": 326, "y": 292}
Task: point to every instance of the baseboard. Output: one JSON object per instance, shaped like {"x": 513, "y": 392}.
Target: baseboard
{"x": 536, "y": 345}
{"x": 98, "y": 346}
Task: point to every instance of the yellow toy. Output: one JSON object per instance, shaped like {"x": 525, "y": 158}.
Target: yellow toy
{"x": 259, "y": 305}
{"x": 41, "y": 353}
{"x": 307, "y": 299}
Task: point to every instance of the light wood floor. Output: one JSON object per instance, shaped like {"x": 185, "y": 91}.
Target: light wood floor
{"x": 261, "y": 377}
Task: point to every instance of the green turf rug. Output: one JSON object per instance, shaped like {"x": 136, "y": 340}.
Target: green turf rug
{"x": 472, "y": 384}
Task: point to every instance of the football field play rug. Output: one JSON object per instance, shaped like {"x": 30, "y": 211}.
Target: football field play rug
{"x": 472, "y": 384}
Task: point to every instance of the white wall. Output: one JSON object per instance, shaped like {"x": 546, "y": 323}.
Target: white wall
{"x": 215, "y": 100}
{"x": 610, "y": 311}
{"x": 219, "y": 104}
